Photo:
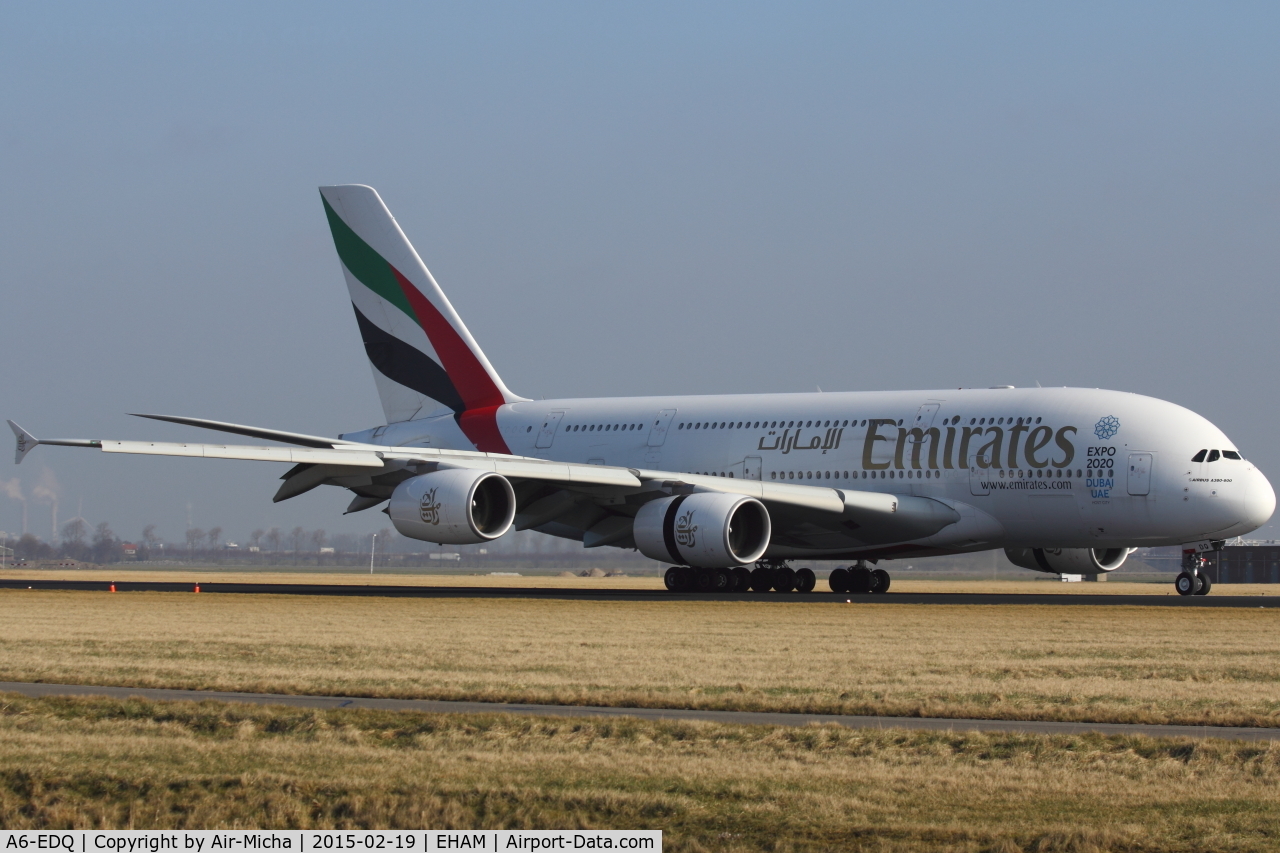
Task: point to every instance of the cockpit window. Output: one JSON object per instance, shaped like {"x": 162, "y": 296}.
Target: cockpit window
{"x": 1230, "y": 454}
{"x": 1214, "y": 455}
{"x": 1199, "y": 457}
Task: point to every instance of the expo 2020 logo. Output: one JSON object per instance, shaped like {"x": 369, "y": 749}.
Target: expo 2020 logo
{"x": 1107, "y": 427}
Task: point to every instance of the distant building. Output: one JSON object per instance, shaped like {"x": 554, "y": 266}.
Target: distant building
{"x": 1257, "y": 563}
{"x": 129, "y": 549}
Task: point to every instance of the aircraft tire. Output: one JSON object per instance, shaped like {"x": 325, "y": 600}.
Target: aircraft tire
{"x": 761, "y": 579}
{"x": 839, "y": 580}
{"x": 784, "y": 580}
{"x": 673, "y": 579}
{"x": 880, "y": 581}
{"x": 860, "y": 580}
{"x": 806, "y": 580}
{"x": 1185, "y": 583}
{"x": 741, "y": 579}
{"x": 1205, "y": 585}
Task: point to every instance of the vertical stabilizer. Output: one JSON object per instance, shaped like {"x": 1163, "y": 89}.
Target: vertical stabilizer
{"x": 424, "y": 360}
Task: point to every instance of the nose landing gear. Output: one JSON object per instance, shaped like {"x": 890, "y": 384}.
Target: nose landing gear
{"x": 1193, "y": 579}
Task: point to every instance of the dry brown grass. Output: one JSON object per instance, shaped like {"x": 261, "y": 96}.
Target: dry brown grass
{"x": 102, "y": 763}
{"x": 1113, "y": 664}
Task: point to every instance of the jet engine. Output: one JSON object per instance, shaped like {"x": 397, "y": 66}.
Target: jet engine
{"x": 1068, "y": 561}
{"x": 706, "y": 529}
{"x": 454, "y": 506}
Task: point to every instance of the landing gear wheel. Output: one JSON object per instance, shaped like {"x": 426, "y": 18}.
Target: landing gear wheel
{"x": 741, "y": 579}
{"x": 674, "y": 579}
{"x": 879, "y": 580}
{"x": 806, "y": 580}
{"x": 1205, "y": 585}
{"x": 1185, "y": 583}
{"x": 784, "y": 580}
{"x": 860, "y": 580}
{"x": 761, "y": 579}
{"x": 839, "y": 580}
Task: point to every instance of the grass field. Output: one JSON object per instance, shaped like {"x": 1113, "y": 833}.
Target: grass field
{"x": 68, "y": 763}
{"x": 1113, "y": 664}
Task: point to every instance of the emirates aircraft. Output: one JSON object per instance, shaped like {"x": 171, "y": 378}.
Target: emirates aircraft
{"x": 1066, "y": 480}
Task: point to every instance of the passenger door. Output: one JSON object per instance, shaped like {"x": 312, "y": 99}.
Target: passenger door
{"x": 1140, "y": 465}
{"x": 658, "y": 434}
{"x": 547, "y": 434}
{"x": 751, "y": 468}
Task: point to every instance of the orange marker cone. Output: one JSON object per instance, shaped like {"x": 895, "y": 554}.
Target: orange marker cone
{"x": 197, "y": 587}
{"x": 113, "y": 587}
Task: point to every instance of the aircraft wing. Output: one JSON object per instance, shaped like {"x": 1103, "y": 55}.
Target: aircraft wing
{"x": 809, "y": 514}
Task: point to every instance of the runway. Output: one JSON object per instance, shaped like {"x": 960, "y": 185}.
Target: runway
{"x": 587, "y": 594}
{"x": 749, "y": 718}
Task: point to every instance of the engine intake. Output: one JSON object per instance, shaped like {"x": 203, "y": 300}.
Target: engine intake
{"x": 1070, "y": 561}
{"x": 453, "y": 507}
{"x": 707, "y": 529}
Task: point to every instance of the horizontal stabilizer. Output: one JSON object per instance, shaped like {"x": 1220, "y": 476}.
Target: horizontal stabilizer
{"x": 252, "y": 432}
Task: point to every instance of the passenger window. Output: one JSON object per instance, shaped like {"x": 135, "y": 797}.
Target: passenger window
{"x": 1214, "y": 455}
{"x": 1230, "y": 454}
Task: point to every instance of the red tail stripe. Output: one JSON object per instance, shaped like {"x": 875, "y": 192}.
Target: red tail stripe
{"x": 479, "y": 393}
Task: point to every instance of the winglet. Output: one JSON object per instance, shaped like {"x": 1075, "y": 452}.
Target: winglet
{"x": 26, "y": 442}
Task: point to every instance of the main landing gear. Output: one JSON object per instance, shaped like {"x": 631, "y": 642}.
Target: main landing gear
{"x": 763, "y": 578}
{"x": 1193, "y": 579}
{"x": 859, "y": 580}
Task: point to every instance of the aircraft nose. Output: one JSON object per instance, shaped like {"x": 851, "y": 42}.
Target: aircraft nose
{"x": 1260, "y": 501}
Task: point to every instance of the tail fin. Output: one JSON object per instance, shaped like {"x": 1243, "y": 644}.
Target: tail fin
{"x": 425, "y": 362}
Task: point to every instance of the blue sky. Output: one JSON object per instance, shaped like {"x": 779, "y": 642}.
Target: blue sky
{"x": 624, "y": 200}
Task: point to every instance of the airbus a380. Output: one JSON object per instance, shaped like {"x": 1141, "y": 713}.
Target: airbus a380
{"x": 1066, "y": 480}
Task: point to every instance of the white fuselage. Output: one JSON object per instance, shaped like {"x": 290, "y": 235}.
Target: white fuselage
{"x": 1033, "y": 467}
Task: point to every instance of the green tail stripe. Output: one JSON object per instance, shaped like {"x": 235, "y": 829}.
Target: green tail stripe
{"x": 365, "y": 264}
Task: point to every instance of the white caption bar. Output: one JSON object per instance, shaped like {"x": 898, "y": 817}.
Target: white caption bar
{"x": 404, "y": 841}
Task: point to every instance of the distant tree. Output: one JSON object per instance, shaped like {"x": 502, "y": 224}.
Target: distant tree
{"x": 149, "y": 542}
{"x": 73, "y": 532}
{"x": 105, "y": 546}
{"x": 255, "y": 538}
{"x": 273, "y": 536}
{"x": 194, "y": 536}
{"x": 31, "y": 548}
{"x": 296, "y": 535}
{"x": 214, "y": 536}
{"x": 318, "y": 538}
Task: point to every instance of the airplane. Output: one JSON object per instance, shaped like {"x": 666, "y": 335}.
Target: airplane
{"x": 730, "y": 490}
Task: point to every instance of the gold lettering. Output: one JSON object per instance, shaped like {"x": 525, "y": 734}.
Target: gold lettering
{"x": 988, "y": 455}
{"x": 1013, "y": 443}
{"x": 868, "y": 445}
{"x": 918, "y": 437}
{"x": 1067, "y": 447}
{"x": 966, "y": 434}
{"x": 1038, "y": 438}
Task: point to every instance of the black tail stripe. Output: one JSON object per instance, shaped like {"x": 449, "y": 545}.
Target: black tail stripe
{"x": 399, "y": 362}
{"x": 669, "y": 530}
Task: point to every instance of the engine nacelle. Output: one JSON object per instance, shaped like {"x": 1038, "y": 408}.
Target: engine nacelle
{"x": 454, "y": 506}
{"x": 707, "y": 529}
{"x": 1068, "y": 561}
